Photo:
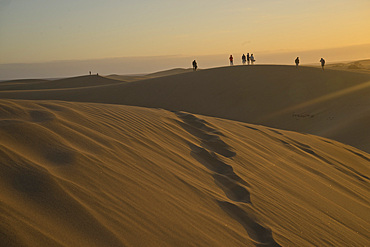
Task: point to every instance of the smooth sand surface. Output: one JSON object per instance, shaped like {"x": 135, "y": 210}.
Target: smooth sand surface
{"x": 97, "y": 174}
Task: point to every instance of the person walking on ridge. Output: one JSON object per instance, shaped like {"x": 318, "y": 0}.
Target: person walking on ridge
{"x": 244, "y": 59}
{"x": 248, "y": 58}
{"x": 231, "y": 60}
{"x": 297, "y": 62}
{"x": 252, "y": 59}
{"x": 322, "y": 61}
{"x": 195, "y": 65}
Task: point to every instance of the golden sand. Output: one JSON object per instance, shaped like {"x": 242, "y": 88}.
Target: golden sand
{"x": 212, "y": 167}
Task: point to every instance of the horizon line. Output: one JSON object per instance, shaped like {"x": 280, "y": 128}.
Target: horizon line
{"x": 265, "y": 52}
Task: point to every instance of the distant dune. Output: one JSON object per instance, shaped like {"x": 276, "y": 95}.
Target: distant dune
{"x": 332, "y": 104}
{"x": 358, "y": 66}
{"x": 75, "y": 82}
{"x": 126, "y": 78}
{"x": 169, "y": 72}
{"x": 82, "y": 174}
{"x": 148, "y": 76}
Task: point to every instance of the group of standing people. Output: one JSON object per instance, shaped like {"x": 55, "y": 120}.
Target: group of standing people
{"x": 250, "y": 59}
{"x": 245, "y": 59}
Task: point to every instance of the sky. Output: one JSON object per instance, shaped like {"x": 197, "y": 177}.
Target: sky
{"x": 53, "y": 30}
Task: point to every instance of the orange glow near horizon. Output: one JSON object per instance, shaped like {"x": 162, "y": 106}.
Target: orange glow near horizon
{"x": 44, "y": 31}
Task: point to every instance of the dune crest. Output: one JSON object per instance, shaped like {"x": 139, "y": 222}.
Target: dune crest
{"x": 109, "y": 175}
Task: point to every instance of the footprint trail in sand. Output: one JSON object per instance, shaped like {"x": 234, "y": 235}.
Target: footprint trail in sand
{"x": 235, "y": 188}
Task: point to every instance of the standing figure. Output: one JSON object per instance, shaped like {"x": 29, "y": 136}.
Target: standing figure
{"x": 90, "y": 72}
{"x": 248, "y": 58}
{"x": 231, "y": 60}
{"x": 322, "y": 61}
{"x": 297, "y": 61}
{"x": 252, "y": 59}
{"x": 195, "y": 65}
{"x": 244, "y": 59}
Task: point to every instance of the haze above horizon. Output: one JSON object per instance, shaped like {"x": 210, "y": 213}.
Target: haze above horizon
{"x": 41, "y": 30}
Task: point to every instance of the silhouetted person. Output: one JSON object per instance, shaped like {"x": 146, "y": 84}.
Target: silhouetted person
{"x": 244, "y": 59}
{"x": 195, "y": 65}
{"x": 297, "y": 61}
{"x": 231, "y": 60}
{"x": 90, "y": 72}
{"x": 322, "y": 61}
{"x": 252, "y": 59}
{"x": 248, "y": 58}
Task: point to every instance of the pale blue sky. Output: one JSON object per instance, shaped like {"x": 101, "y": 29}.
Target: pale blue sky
{"x": 45, "y": 30}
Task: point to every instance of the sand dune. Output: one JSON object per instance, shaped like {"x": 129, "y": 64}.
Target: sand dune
{"x": 148, "y": 76}
{"x": 74, "y": 82}
{"x": 17, "y": 84}
{"x": 169, "y": 72}
{"x": 82, "y": 174}
{"x": 358, "y": 66}
{"x": 333, "y": 104}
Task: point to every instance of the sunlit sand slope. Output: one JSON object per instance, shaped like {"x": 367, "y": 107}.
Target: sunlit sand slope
{"x": 333, "y": 104}
{"x": 79, "y": 174}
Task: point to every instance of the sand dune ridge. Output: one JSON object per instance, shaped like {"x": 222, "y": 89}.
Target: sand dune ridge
{"x": 112, "y": 175}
